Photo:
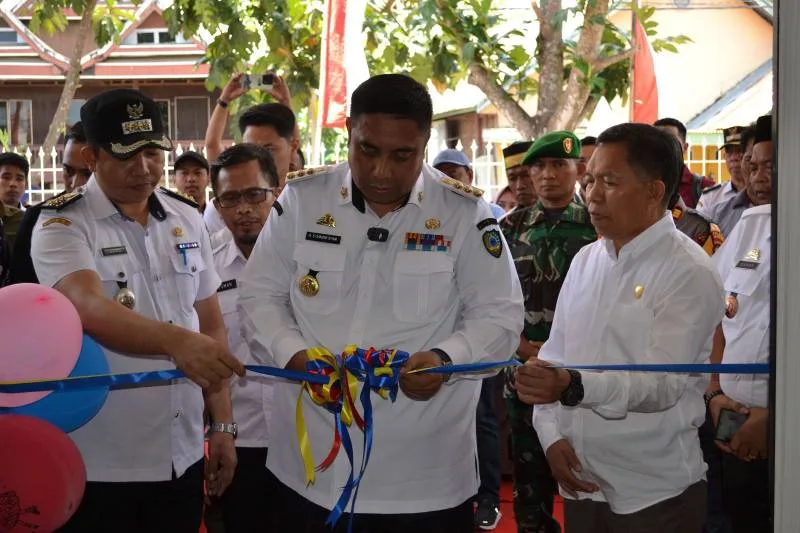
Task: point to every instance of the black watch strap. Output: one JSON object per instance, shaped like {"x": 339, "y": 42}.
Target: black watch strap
{"x": 446, "y": 360}
{"x": 573, "y": 395}
{"x": 707, "y": 397}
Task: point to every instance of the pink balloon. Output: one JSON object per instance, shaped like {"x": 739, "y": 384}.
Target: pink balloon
{"x": 42, "y": 336}
{"x": 42, "y": 475}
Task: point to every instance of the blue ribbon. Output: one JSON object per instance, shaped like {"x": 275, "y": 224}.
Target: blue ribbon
{"x": 672, "y": 368}
{"x": 142, "y": 378}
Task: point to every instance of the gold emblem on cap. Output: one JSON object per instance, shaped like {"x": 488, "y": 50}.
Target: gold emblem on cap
{"x": 135, "y": 111}
{"x": 753, "y": 255}
{"x": 309, "y": 285}
{"x": 432, "y": 223}
{"x": 638, "y": 291}
{"x": 343, "y": 192}
{"x": 326, "y": 220}
{"x": 177, "y": 231}
{"x": 567, "y": 145}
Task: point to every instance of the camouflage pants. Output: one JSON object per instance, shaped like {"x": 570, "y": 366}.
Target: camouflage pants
{"x": 534, "y": 486}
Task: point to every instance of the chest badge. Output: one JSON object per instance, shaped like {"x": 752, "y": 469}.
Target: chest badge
{"x": 432, "y": 223}
{"x": 177, "y": 231}
{"x": 309, "y": 285}
{"x": 124, "y": 295}
{"x": 326, "y": 220}
{"x": 638, "y": 292}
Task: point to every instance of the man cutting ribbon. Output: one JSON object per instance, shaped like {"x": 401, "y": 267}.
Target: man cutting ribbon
{"x": 383, "y": 251}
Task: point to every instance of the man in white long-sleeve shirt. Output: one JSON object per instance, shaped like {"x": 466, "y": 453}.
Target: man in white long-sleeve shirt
{"x": 383, "y": 251}
{"x": 624, "y": 446}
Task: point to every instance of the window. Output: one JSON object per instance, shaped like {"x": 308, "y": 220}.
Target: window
{"x": 153, "y": 36}
{"x": 15, "y": 118}
{"x": 164, "y": 106}
{"x": 74, "y": 113}
{"x": 191, "y": 117}
{"x": 9, "y": 36}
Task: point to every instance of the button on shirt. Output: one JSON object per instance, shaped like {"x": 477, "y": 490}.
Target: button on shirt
{"x": 252, "y": 394}
{"x": 141, "y": 432}
{"x": 747, "y": 332}
{"x": 635, "y": 433}
{"x": 455, "y": 296}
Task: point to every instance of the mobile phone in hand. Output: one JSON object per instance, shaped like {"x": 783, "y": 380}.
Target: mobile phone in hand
{"x": 729, "y": 423}
{"x": 258, "y": 81}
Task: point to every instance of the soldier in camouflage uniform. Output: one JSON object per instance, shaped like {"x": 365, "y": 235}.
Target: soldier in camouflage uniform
{"x": 543, "y": 239}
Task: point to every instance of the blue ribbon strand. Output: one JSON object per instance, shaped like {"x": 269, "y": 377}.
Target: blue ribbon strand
{"x": 674, "y": 368}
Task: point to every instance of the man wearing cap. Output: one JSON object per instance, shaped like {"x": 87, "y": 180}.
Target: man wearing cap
{"x": 733, "y": 150}
{"x": 524, "y": 192}
{"x": 13, "y": 176}
{"x": 551, "y": 233}
{"x": 744, "y": 264}
{"x": 455, "y": 163}
{"x": 727, "y": 212}
{"x": 191, "y": 177}
{"x": 136, "y": 263}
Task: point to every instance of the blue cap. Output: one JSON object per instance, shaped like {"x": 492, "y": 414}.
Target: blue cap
{"x": 454, "y": 157}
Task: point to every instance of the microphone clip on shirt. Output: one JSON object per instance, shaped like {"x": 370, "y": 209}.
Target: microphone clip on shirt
{"x": 378, "y": 234}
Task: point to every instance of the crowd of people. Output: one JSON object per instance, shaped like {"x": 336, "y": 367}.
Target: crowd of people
{"x": 604, "y": 250}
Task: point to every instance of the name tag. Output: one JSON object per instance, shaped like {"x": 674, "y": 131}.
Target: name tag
{"x": 227, "y": 285}
{"x": 323, "y": 237}
{"x": 181, "y": 246}
{"x": 747, "y": 265}
{"x": 114, "y": 250}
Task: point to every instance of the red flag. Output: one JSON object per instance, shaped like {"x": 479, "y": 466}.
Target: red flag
{"x": 645, "y": 88}
{"x": 344, "y": 65}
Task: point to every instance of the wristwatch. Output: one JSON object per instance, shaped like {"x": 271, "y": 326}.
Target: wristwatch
{"x": 445, "y": 361}
{"x": 573, "y": 394}
{"x": 221, "y": 427}
{"x": 708, "y": 396}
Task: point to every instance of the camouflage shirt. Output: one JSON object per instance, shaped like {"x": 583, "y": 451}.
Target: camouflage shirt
{"x": 542, "y": 250}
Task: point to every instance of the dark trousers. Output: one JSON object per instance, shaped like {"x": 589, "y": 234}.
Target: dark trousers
{"x": 685, "y": 513}
{"x": 534, "y": 486}
{"x": 487, "y": 429}
{"x": 153, "y": 507}
{"x": 745, "y": 488}
{"x": 717, "y": 520}
{"x": 290, "y": 512}
{"x": 244, "y": 506}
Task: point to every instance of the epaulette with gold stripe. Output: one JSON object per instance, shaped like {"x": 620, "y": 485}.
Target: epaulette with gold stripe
{"x": 467, "y": 191}
{"x": 185, "y": 198}
{"x": 57, "y": 203}
{"x": 300, "y": 175}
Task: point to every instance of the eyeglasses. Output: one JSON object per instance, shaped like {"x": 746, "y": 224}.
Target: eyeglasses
{"x": 251, "y": 196}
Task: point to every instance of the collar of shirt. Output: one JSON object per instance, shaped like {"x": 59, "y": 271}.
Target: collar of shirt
{"x": 741, "y": 199}
{"x": 574, "y": 212}
{"x": 102, "y": 207}
{"x": 641, "y": 242}
{"x": 226, "y": 252}
{"x": 350, "y": 193}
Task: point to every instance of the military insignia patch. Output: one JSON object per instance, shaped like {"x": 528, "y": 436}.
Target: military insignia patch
{"x": 61, "y": 201}
{"x": 432, "y": 223}
{"x": 567, "y": 145}
{"x": 493, "y": 243}
{"x": 57, "y": 220}
{"x": 326, "y": 220}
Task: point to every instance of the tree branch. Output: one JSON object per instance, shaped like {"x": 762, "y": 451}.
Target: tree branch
{"x": 550, "y": 57}
{"x": 604, "y": 62}
{"x": 481, "y": 78}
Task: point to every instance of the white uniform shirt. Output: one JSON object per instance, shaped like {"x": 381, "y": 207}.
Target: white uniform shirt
{"x": 635, "y": 433}
{"x": 714, "y": 195}
{"x": 461, "y": 299}
{"x": 213, "y": 219}
{"x": 141, "y": 432}
{"x": 747, "y": 333}
{"x": 252, "y": 394}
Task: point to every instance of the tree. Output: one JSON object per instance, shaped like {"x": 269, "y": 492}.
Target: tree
{"x": 442, "y": 41}
{"x": 107, "y": 22}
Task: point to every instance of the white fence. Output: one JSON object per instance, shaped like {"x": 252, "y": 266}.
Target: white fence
{"x": 46, "y": 179}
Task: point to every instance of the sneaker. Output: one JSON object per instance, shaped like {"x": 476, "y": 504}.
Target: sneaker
{"x": 487, "y": 515}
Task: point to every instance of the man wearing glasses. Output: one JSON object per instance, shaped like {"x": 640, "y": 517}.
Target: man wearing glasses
{"x": 76, "y": 174}
{"x": 243, "y": 178}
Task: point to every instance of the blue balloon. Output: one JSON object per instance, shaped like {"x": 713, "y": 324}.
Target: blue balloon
{"x": 69, "y": 410}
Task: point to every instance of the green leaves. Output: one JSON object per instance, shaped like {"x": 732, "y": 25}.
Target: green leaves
{"x": 108, "y": 19}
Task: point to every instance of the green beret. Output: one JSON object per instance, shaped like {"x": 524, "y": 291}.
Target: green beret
{"x": 557, "y": 144}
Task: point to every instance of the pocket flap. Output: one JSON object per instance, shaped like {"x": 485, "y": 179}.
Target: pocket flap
{"x": 423, "y": 263}
{"x": 320, "y": 258}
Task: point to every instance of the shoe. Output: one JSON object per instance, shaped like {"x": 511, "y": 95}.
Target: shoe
{"x": 487, "y": 516}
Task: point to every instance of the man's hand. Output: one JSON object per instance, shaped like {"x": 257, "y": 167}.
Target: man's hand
{"x": 280, "y": 92}
{"x": 750, "y": 442}
{"x": 563, "y": 463}
{"x": 233, "y": 89}
{"x": 221, "y": 464}
{"x": 421, "y": 386}
{"x": 298, "y": 361}
{"x": 528, "y": 349}
{"x": 539, "y": 382}
{"x": 204, "y": 360}
{"x": 715, "y": 406}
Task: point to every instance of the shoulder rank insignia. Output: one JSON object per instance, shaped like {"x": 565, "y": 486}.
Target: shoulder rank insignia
{"x": 61, "y": 201}
{"x": 300, "y": 175}
{"x": 712, "y": 188}
{"x": 185, "y": 198}
{"x": 467, "y": 191}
